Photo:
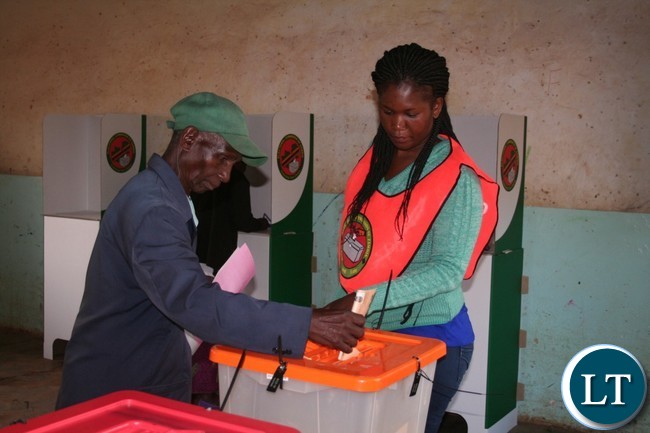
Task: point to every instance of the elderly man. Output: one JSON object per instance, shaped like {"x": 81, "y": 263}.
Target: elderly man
{"x": 145, "y": 286}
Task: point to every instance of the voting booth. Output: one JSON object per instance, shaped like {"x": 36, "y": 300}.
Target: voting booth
{"x": 487, "y": 397}
{"x": 86, "y": 160}
{"x": 282, "y": 189}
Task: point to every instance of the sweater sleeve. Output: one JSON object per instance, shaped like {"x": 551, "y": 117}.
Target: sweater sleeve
{"x": 440, "y": 263}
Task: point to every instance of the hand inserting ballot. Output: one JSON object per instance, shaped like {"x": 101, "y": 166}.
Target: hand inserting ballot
{"x": 344, "y": 303}
{"x": 336, "y": 328}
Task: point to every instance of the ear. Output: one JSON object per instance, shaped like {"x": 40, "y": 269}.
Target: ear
{"x": 188, "y": 137}
{"x": 437, "y": 106}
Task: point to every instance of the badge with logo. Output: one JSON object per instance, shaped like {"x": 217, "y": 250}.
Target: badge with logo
{"x": 509, "y": 164}
{"x": 290, "y": 157}
{"x": 604, "y": 387}
{"x": 120, "y": 152}
{"x": 356, "y": 245}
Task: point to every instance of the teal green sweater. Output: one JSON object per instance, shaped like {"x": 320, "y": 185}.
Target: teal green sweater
{"x": 432, "y": 281}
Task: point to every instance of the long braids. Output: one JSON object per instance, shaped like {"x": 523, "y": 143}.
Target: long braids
{"x": 420, "y": 67}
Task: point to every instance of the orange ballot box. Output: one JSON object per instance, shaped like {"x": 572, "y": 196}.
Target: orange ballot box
{"x": 382, "y": 389}
{"x": 137, "y": 412}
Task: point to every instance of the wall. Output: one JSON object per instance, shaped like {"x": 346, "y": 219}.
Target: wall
{"x": 589, "y": 278}
{"x": 21, "y": 256}
{"x": 579, "y": 70}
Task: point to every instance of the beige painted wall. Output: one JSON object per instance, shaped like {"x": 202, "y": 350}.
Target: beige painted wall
{"x": 580, "y": 70}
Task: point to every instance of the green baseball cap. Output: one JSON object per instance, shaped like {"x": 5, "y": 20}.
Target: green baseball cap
{"x": 212, "y": 113}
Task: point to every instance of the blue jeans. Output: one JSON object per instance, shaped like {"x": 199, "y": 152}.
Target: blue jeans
{"x": 449, "y": 372}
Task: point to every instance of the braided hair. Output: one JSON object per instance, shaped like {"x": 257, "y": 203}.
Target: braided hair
{"x": 421, "y": 68}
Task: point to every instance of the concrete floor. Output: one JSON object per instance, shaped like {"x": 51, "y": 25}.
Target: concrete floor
{"x": 29, "y": 384}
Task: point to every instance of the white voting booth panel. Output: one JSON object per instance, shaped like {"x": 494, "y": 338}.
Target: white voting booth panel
{"x": 487, "y": 394}
{"x": 278, "y": 185}
{"x": 68, "y": 244}
{"x": 485, "y": 138}
{"x": 86, "y": 160}
{"x": 259, "y": 244}
{"x": 282, "y": 189}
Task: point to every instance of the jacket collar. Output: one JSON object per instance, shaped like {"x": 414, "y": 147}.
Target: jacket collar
{"x": 173, "y": 184}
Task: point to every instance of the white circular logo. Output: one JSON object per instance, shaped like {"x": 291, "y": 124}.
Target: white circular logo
{"x": 604, "y": 387}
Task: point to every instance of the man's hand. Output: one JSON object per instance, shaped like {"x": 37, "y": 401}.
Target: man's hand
{"x": 344, "y": 303}
{"x": 340, "y": 329}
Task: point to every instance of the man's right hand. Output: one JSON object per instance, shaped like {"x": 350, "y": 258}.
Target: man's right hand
{"x": 339, "y": 329}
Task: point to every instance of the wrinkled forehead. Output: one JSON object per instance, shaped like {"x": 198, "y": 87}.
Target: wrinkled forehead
{"x": 220, "y": 146}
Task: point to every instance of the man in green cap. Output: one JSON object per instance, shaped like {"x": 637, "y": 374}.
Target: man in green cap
{"x": 145, "y": 285}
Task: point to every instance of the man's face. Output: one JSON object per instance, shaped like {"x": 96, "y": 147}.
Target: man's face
{"x": 206, "y": 163}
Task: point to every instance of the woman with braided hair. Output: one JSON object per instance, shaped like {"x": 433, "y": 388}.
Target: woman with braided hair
{"x": 418, "y": 213}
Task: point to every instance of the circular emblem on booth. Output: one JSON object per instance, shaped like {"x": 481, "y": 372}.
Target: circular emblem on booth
{"x": 120, "y": 152}
{"x": 290, "y": 157}
{"x": 509, "y": 164}
{"x": 356, "y": 245}
{"x": 604, "y": 387}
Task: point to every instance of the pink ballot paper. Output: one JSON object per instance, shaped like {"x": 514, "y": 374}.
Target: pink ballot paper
{"x": 237, "y": 272}
{"x": 233, "y": 277}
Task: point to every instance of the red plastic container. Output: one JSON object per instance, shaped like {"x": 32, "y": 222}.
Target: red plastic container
{"x": 138, "y": 412}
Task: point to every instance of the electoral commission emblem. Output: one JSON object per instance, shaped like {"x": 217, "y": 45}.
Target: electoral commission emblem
{"x": 356, "y": 244}
{"x": 509, "y": 164}
{"x": 120, "y": 152}
{"x": 290, "y": 157}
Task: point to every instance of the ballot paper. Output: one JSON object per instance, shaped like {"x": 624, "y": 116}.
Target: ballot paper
{"x": 362, "y": 300}
{"x": 233, "y": 277}
{"x": 238, "y": 270}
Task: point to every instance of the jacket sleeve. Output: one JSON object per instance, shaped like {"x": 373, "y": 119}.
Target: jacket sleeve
{"x": 168, "y": 270}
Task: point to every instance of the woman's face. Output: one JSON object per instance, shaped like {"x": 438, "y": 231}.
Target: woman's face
{"x": 407, "y": 113}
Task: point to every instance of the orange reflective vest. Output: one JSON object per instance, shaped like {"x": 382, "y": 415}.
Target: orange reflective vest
{"x": 370, "y": 247}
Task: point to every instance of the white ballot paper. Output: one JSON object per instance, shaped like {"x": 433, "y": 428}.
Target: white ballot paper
{"x": 233, "y": 277}
{"x": 362, "y": 300}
